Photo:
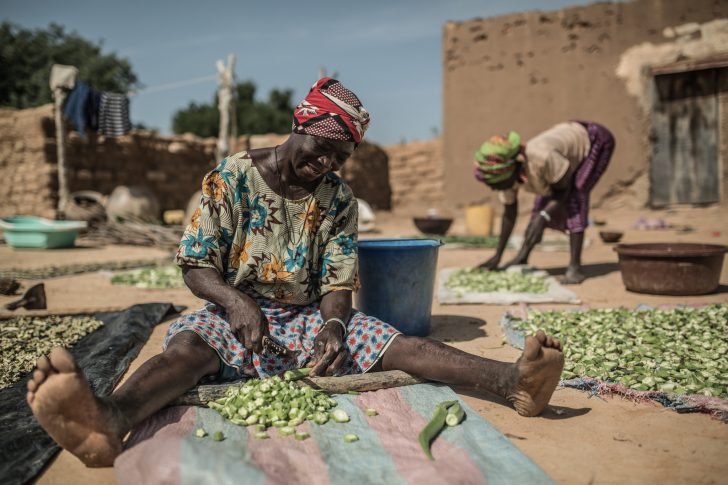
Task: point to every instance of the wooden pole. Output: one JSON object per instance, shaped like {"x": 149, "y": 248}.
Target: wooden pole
{"x": 201, "y": 395}
{"x": 59, "y": 96}
{"x": 233, "y": 145}
{"x": 224, "y": 104}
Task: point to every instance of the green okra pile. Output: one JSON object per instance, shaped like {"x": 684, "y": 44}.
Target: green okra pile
{"x": 24, "y": 339}
{"x": 475, "y": 280}
{"x": 678, "y": 351}
{"x": 158, "y": 277}
{"x": 279, "y": 403}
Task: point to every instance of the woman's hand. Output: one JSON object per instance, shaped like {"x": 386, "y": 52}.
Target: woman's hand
{"x": 329, "y": 351}
{"x": 246, "y": 320}
{"x": 247, "y": 323}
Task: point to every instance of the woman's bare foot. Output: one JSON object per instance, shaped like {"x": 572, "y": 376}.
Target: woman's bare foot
{"x": 76, "y": 419}
{"x": 539, "y": 369}
{"x": 573, "y": 276}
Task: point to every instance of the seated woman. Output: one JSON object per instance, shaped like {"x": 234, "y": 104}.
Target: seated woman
{"x": 273, "y": 250}
{"x": 561, "y": 165}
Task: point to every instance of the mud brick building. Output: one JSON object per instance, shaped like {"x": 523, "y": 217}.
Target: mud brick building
{"x": 654, "y": 71}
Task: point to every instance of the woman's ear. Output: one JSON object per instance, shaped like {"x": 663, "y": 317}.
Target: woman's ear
{"x": 521, "y": 155}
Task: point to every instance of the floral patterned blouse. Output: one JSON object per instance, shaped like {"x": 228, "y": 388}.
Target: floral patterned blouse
{"x": 292, "y": 251}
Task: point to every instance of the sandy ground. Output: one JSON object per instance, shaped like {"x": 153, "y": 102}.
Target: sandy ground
{"x": 577, "y": 440}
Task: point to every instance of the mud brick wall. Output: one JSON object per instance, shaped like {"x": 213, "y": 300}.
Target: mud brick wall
{"x": 172, "y": 167}
{"x": 27, "y": 181}
{"x": 416, "y": 174}
{"x": 528, "y": 71}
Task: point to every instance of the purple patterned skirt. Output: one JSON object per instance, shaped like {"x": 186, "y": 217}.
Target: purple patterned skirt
{"x": 294, "y": 326}
{"x": 573, "y": 216}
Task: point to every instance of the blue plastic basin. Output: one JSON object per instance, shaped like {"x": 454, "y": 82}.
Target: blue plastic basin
{"x": 397, "y": 282}
{"x": 38, "y": 232}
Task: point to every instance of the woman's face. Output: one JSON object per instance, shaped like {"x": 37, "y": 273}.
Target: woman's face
{"x": 318, "y": 156}
{"x": 505, "y": 184}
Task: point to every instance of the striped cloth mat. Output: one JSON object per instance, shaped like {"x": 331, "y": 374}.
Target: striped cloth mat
{"x": 165, "y": 449}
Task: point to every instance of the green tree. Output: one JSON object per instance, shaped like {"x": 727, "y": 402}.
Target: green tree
{"x": 26, "y": 57}
{"x": 253, "y": 116}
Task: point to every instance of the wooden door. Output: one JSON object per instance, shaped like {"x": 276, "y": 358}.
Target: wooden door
{"x": 685, "y": 139}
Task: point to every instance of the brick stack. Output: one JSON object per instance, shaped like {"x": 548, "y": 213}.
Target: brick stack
{"x": 367, "y": 173}
{"x": 416, "y": 173}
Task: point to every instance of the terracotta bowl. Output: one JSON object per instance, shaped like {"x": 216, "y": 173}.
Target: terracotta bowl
{"x": 671, "y": 268}
{"x": 610, "y": 236}
{"x": 433, "y": 225}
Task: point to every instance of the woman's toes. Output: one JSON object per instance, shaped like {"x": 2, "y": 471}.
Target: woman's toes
{"x": 32, "y": 386}
{"x": 29, "y": 397}
{"x": 541, "y": 336}
{"x": 62, "y": 360}
{"x": 43, "y": 364}
{"x": 38, "y": 377}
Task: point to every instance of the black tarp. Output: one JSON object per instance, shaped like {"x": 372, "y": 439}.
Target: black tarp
{"x": 104, "y": 356}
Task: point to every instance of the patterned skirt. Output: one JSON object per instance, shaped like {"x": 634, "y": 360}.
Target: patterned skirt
{"x": 573, "y": 216}
{"x": 293, "y": 326}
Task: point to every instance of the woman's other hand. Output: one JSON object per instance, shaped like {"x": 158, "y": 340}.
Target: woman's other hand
{"x": 329, "y": 351}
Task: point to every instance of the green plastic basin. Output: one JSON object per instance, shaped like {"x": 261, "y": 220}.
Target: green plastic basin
{"x": 38, "y": 232}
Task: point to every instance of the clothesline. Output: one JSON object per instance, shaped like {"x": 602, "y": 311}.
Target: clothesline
{"x": 173, "y": 85}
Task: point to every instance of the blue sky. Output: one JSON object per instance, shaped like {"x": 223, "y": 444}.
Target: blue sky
{"x": 388, "y": 52}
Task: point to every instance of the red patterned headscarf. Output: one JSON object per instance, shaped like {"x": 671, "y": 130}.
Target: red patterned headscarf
{"x": 331, "y": 111}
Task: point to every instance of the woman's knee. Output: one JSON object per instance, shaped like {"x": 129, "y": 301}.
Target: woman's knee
{"x": 192, "y": 348}
{"x": 403, "y": 345}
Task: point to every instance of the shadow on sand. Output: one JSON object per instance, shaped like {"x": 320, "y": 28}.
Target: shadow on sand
{"x": 456, "y": 328}
{"x": 590, "y": 270}
{"x": 551, "y": 412}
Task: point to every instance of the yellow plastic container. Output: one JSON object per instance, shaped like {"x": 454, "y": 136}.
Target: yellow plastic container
{"x": 174, "y": 217}
{"x": 479, "y": 220}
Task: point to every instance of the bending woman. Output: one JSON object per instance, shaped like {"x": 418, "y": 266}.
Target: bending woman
{"x": 561, "y": 166}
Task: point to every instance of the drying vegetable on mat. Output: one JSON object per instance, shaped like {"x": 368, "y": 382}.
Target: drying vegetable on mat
{"x": 24, "y": 339}
{"x": 476, "y": 280}
{"x": 158, "y": 277}
{"x": 676, "y": 351}
{"x": 561, "y": 166}
{"x": 273, "y": 250}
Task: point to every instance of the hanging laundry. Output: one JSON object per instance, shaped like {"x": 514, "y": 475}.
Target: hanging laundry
{"x": 92, "y": 109}
{"x": 114, "y": 114}
{"x": 76, "y": 109}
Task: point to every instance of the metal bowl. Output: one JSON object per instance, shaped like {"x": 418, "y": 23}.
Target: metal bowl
{"x": 433, "y": 225}
{"x": 610, "y": 236}
{"x": 671, "y": 268}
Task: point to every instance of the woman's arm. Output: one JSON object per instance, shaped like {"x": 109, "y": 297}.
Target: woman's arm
{"x": 536, "y": 226}
{"x": 510, "y": 213}
{"x": 336, "y": 304}
{"x": 246, "y": 320}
